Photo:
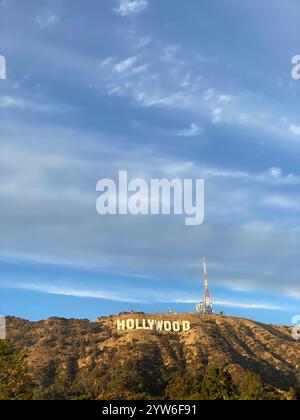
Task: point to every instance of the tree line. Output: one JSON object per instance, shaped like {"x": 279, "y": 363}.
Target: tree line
{"x": 135, "y": 380}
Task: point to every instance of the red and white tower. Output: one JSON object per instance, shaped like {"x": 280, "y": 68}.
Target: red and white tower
{"x": 206, "y": 306}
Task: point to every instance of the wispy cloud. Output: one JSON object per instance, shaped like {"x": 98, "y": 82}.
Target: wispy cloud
{"x": 142, "y": 41}
{"x": 29, "y": 104}
{"x": 295, "y": 129}
{"x": 12, "y": 101}
{"x": 224, "y": 97}
{"x": 169, "y": 53}
{"x": 235, "y": 304}
{"x": 108, "y": 61}
{"x": 124, "y": 65}
{"x": 47, "y": 20}
{"x": 216, "y": 115}
{"x": 129, "y": 7}
{"x": 282, "y": 202}
{"x": 251, "y": 305}
{"x": 57, "y": 171}
{"x": 80, "y": 293}
{"x": 137, "y": 296}
{"x": 193, "y": 131}
{"x": 247, "y": 152}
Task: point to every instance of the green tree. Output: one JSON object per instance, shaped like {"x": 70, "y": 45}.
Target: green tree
{"x": 178, "y": 387}
{"x": 14, "y": 379}
{"x": 252, "y": 387}
{"x": 217, "y": 384}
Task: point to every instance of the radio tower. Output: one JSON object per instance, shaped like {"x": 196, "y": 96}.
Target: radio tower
{"x": 205, "y": 307}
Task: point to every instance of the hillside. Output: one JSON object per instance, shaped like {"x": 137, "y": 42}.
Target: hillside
{"x": 95, "y": 359}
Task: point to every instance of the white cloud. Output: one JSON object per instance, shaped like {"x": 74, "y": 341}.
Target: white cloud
{"x": 124, "y": 65}
{"x": 58, "y": 176}
{"x": 140, "y": 69}
{"x": 250, "y": 305}
{"x": 137, "y": 296}
{"x": 47, "y": 20}
{"x": 295, "y": 129}
{"x": 80, "y": 293}
{"x": 143, "y": 41}
{"x": 224, "y": 98}
{"x": 186, "y": 81}
{"x": 170, "y": 52}
{"x": 129, "y": 7}
{"x": 216, "y": 115}
{"x": 147, "y": 99}
{"x": 234, "y": 304}
{"x": 275, "y": 172}
{"x": 171, "y": 82}
{"x": 209, "y": 94}
{"x": 275, "y": 176}
{"x": 108, "y": 61}
{"x": 192, "y": 131}
{"x": 114, "y": 89}
{"x": 11, "y": 102}
{"x": 7, "y": 101}
{"x": 282, "y": 202}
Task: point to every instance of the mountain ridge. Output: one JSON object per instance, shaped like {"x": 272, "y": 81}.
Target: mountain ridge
{"x": 97, "y": 354}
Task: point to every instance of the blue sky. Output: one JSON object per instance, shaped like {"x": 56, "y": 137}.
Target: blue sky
{"x": 159, "y": 90}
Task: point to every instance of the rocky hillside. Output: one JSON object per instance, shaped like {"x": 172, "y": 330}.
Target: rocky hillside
{"x": 95, "y": 359}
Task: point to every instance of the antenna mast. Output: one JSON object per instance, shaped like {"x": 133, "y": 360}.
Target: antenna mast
{"x": 205, "y": 307}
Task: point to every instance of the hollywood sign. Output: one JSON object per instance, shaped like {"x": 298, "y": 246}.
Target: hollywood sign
{"x": 152, "y": 324}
